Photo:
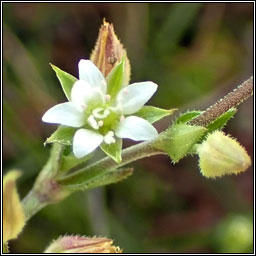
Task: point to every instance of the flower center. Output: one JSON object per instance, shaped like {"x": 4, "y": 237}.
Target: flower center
{"x": 104, "y": 119}
{"x": 95, "y": 119}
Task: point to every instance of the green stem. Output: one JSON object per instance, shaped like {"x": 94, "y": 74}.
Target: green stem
{"x": 32, "y": 203}
{"x": 48, "y": 189}
{"x": 231, "y": 100}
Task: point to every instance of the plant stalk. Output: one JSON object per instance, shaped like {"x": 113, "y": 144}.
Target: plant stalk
{"x": 34, "y": 202}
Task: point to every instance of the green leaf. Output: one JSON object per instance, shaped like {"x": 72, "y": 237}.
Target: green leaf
{"x": 63, "y": 135}
{"x": 70, "y": 161}
{"x": 153, "y": 114}
{"x": 113, "y": 150}
{"x": 111, "y": 177}
{"x": 103, "y": 179}
{"x": 188, "y": 116}
{"x": 66, "y": 80}
{"x": 178, "y": 139}
{"x": 222, "y": 120}
{"x": 115, "y": 79}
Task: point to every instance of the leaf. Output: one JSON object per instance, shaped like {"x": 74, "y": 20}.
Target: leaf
{"x": 153, "y": 114}
{"x": 115, "y": 79}
{"x": 178, "y": 139}
{"x": 70, "y": 161}
{"x": 13, "y": 214}
{"x": 113, "y": 150}
{"x": 110, "y": 178}
{"x": 222, "y": 120}
{"x": 104, "y": 179}
{"x": 63, "y": 135}
{"x": 66, "y": 80}
{"x": 188, "y": 116}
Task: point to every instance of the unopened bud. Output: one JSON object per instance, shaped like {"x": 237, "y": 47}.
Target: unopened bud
{"x": 220, "y": 155}
{"x": 108, "y": 52}
{"x": 80, "y": 244}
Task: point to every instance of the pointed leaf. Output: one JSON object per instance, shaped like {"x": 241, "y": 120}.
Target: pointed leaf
{"x": 70, "y": 161}
{"x": 178, "y": 139}
{"x": 106, "y": 178}
{"x": 113, "y": 150}
{"x": 153, "y": 114}
{"x": 13, "y": 214}
{"x": 115, "y": 79}
{"x": 221, "y": 121}
{"x": 188, "y": 116}
{"x": 110, "y": 178}
{"x": 63, "y": 135}
{"x": 66, "y": 80}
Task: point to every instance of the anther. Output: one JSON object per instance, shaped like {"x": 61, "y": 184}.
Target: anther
{"x": 92, "y": 122}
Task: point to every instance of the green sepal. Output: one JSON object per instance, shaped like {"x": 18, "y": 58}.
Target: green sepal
{"x": 115, "y": 79}
{"x": 221, "y": 121}
{"x": 66, "y": 80}
{"x": 188, "y": 116}
{"x": 63, "y": 135}
{"x": 113, "y": 150}
{"x": 153, "y": 114}
{"x": 178, "y": 139}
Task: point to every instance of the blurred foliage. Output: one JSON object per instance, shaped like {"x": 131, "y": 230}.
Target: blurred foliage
{"x": 195, "y": 52}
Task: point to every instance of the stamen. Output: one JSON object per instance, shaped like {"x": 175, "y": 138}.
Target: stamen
{"x": 92, "y": 122}
{"x": 97, "y": 114}
{"x": 109, "y": 138}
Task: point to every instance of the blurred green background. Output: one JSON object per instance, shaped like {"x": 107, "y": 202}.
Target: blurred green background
{"x": 196, "y": 53}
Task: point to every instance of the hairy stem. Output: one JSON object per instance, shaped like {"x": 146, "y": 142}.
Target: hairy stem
{"x": 232, "y": 99}
{"x": 50, "y": 188}
{"x": 31, "y": 204}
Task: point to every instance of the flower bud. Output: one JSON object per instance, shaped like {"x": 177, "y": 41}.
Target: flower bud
{"x": 220, "y": 154}
{"x": 108, "y": 52}
{"x": 13, "y": 215}
{"x": 81, "y": 244}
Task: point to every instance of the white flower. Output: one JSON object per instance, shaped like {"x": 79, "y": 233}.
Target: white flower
{"x": 99, "y": 117}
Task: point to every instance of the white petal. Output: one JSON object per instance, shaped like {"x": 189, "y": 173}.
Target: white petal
{"x": 136, "y": 128}
{"x": 91, "y": 74}
{"x": 85, "y": 141}
{"x": 66, "y": 114}
{"x": 83, "y": 94}
{"x": 134, "y": 96}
